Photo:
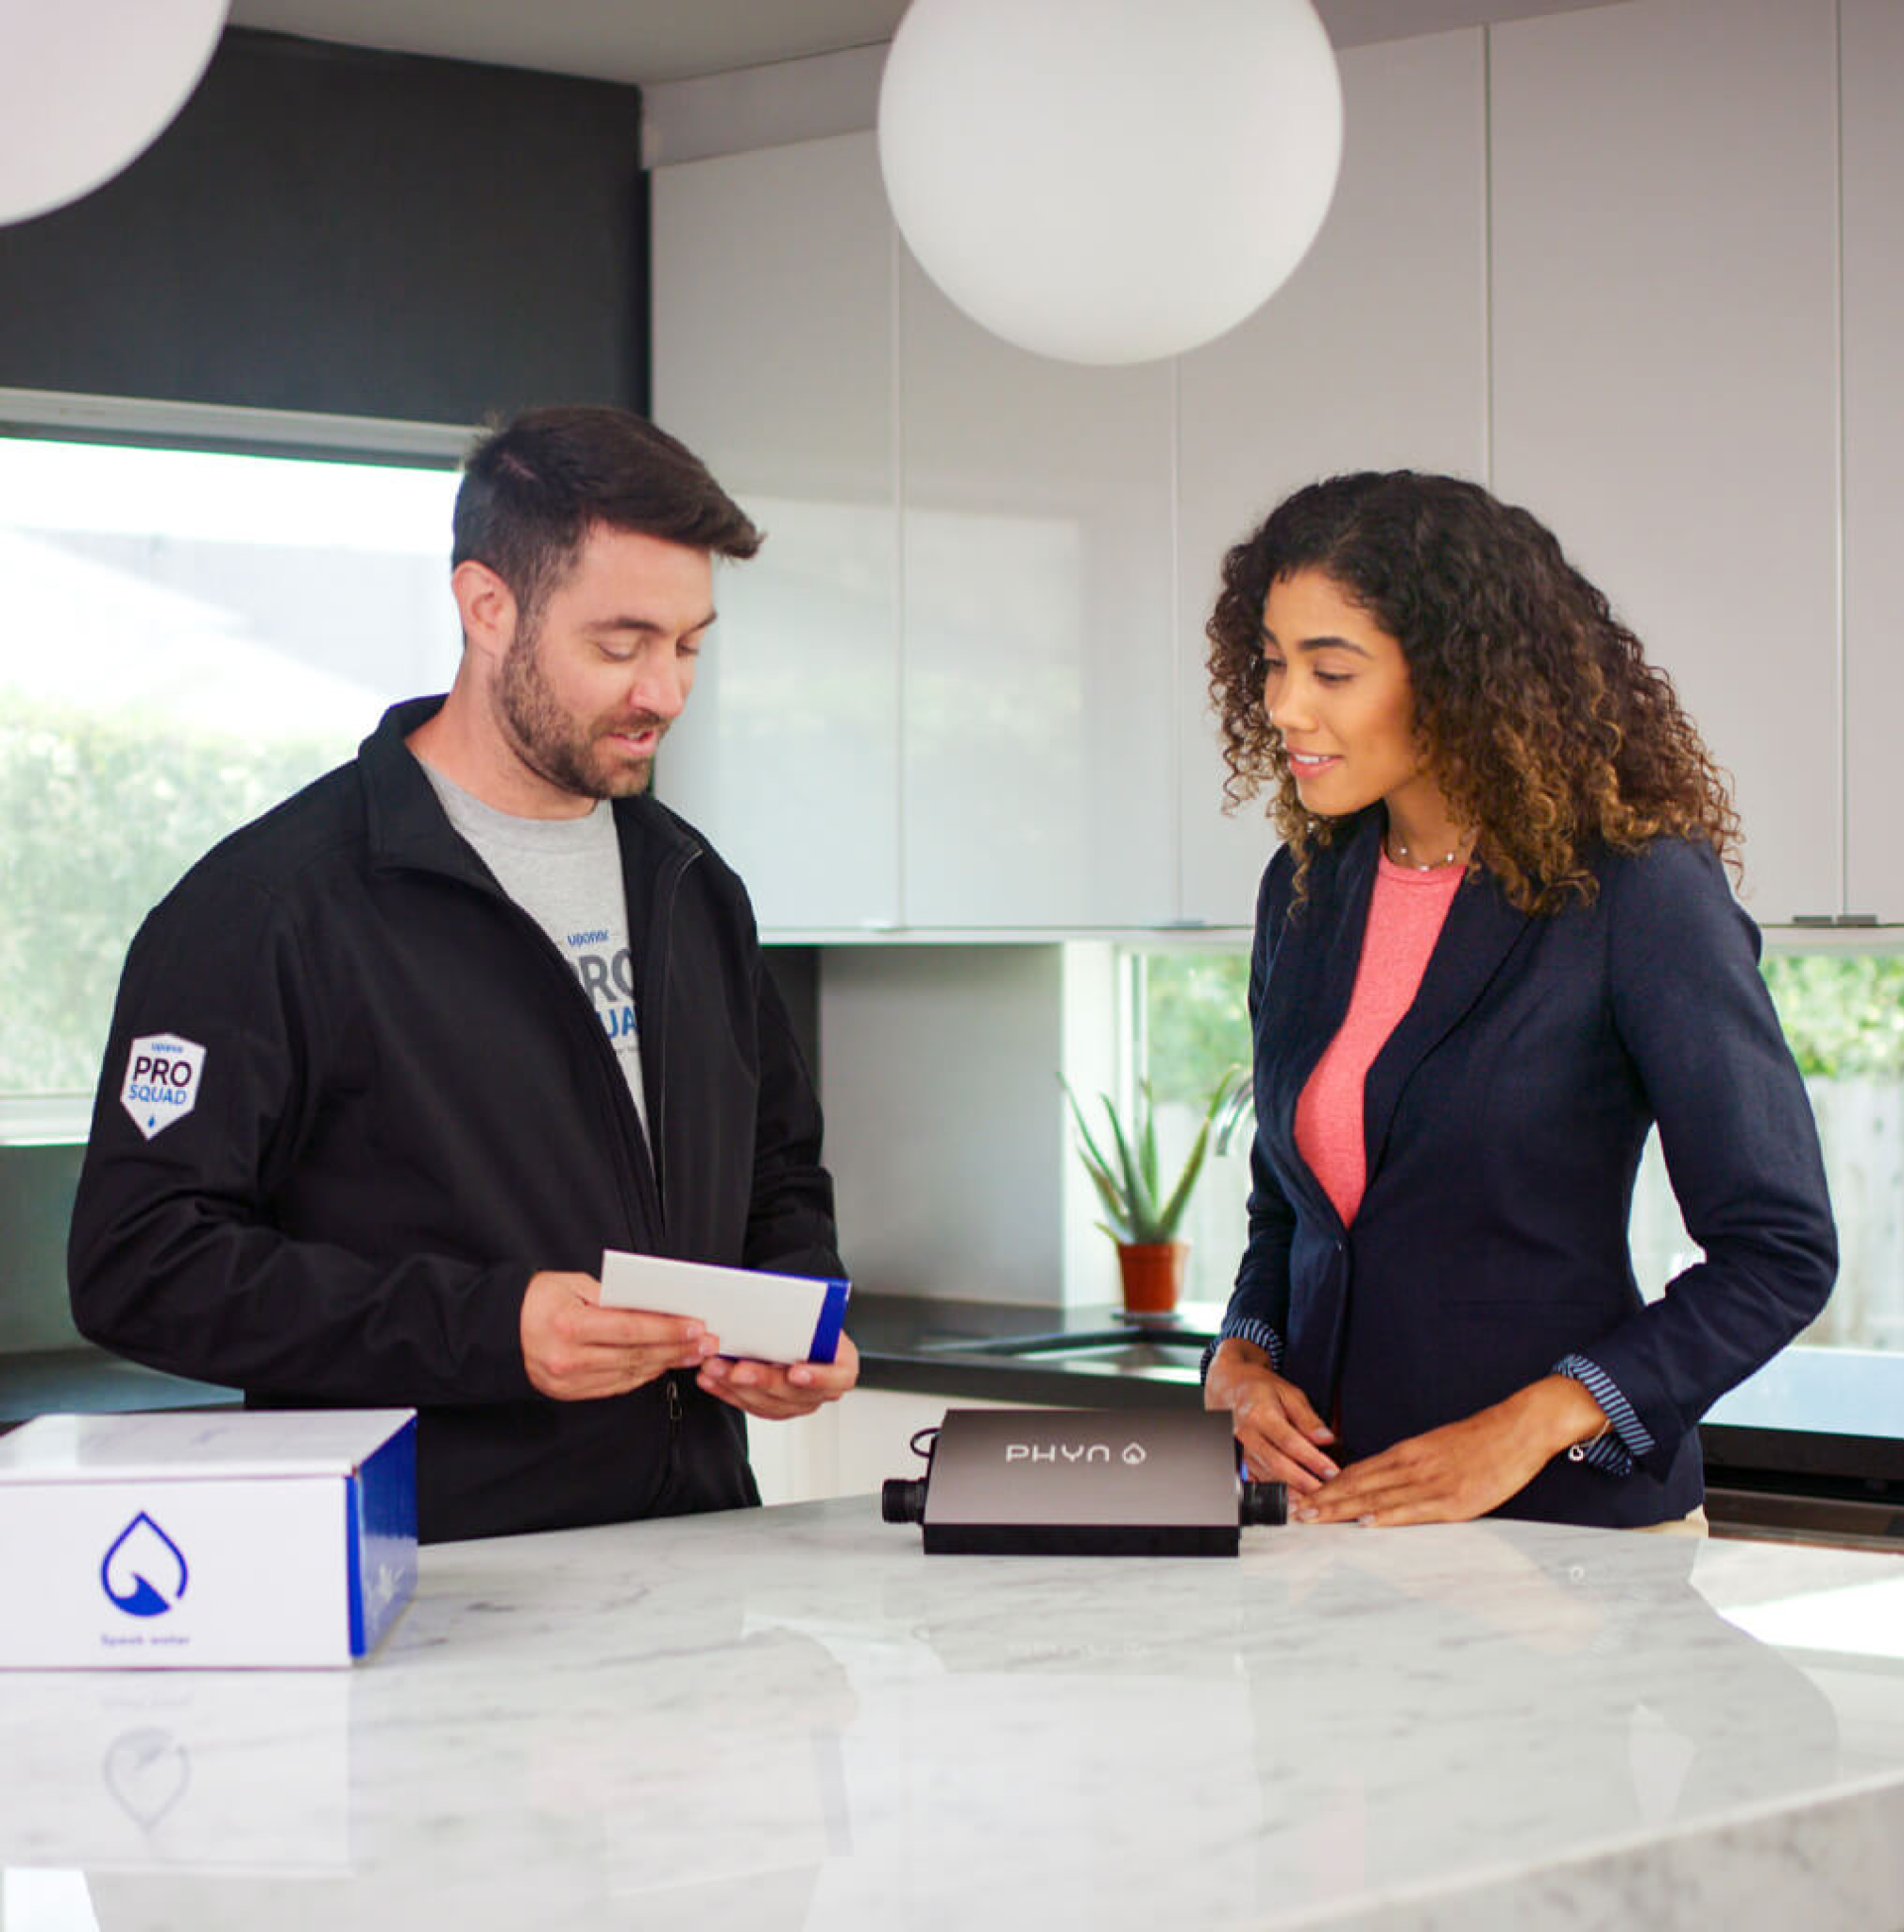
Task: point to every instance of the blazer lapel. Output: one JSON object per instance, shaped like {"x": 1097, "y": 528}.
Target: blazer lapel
{"x": 1481, "y": 930}
{"x": 1310, "y": 985}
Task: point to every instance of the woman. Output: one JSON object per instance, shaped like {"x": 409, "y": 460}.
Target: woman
{"x": 1495, "y": 947}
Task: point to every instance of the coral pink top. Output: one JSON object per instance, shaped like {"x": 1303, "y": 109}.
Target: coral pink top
{"x": 1405, "y": 915}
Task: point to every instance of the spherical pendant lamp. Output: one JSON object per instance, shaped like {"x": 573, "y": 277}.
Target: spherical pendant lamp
{"x": 86, "y": 86}
{"x": 1110, "y": 180}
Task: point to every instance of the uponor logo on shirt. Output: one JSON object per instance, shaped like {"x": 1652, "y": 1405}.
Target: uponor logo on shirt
{"x": 608, "y": 979}
{"x": 164, "y": 1072}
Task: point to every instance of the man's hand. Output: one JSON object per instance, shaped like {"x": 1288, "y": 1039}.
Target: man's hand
{"x": 1464, "y": 1469}
{"x": 776, "y": 1393}
{"x": 576, "y": 1351}
{"x": 1279, "y": 1430}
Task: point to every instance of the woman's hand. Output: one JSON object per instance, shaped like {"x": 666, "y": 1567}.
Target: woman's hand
{"x": 1278, "y": 1429}
{"x": 1464, "y": 1469}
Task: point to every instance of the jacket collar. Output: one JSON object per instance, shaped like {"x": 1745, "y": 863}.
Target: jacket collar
{"x": 407, "y": 828}
{"x": 1317, "y": 956}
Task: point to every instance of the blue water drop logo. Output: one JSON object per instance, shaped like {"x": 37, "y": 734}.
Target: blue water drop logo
{"x": 142, "y": 1552}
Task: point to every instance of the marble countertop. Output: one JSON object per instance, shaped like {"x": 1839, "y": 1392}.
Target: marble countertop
{"x": 792, "y": 1718}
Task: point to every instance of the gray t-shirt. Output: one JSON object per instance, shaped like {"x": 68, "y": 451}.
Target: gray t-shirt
{"x": 565, "y": 874}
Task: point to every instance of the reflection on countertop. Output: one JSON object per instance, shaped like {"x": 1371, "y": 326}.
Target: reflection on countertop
{"x": 91, "y": 1381}
{"x": 794, "y": 1718}
{"x": 1091, "y": 1356}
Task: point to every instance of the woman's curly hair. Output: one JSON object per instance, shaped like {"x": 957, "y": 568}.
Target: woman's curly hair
{"x": 1546, "y": 729}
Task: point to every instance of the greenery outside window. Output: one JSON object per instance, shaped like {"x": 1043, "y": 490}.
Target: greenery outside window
{"x": 190, "y": 633}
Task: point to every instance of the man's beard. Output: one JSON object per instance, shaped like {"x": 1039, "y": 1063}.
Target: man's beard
{"x": 547, "y": 739}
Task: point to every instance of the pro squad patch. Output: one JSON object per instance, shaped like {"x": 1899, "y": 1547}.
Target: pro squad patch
{"x": 162, "y": 1076}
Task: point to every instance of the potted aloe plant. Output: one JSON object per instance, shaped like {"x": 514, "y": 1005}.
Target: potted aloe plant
{"x": 1142, "y": 1217}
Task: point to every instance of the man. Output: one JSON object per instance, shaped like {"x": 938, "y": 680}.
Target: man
{"x": 394, "y": 1063}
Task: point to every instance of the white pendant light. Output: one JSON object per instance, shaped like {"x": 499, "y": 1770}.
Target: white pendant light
{"x": 86, "y": 86}
{"x": 1110, "y": 180}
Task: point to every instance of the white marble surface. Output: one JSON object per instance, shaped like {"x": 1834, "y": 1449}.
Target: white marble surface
{"x": 792, "y": 1718}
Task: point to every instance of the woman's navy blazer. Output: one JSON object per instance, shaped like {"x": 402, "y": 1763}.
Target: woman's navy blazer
{"x": 1503, "y": 1123}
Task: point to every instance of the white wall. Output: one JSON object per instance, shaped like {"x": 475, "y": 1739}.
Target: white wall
{"x": 939, "y": 1075}
{"x": 945, "y": 1125}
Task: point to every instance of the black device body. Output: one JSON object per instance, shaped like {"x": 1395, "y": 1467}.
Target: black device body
{"x": 1083, "y": 1483}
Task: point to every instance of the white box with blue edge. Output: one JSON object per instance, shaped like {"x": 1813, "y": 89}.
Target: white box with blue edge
{"x": 219, "y": 1539}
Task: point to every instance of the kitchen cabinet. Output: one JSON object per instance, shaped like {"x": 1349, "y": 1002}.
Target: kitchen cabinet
{"x": 942, "y": 695}
{"x": 1371, "y": 357}
{"x": 1873, "y": 62}
{"x": 1590, "y": 256}
{"x": 774, "y": 363}
{"x": 1036, "y": 507}
{"x": 962, "y": 687}
{"x": 1665, "y": 348}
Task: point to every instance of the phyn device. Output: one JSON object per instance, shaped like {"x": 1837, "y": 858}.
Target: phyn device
{"x": 1081, "y": 1482}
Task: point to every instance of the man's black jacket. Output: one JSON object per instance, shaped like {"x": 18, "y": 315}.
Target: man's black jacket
{"x": 407, "y": 1106}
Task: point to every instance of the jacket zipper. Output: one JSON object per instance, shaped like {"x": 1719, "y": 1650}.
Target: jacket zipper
{"x": 657, "y": 951}
{"x": 672, "y": 1459}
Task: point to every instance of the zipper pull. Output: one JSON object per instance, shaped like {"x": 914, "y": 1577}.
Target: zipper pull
{"x": 673, "y": 1403}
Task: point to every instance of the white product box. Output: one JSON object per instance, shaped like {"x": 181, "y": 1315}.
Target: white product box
{"x": 755, "y": 1315}
{"x": 239, "y": 1537}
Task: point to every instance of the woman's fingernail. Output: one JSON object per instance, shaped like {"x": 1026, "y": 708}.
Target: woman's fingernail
{"x": 1305, "y": 1515}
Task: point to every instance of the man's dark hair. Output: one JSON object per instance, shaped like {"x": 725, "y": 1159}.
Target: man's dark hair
{"x": 532, "y": 490}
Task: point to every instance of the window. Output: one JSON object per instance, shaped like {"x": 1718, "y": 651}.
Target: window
{"x": 1190, "y": 1023}
{"x": 1842, "y": 1013}
{"x": 189, "y": 635}
{"x": 1844, "y": 1019}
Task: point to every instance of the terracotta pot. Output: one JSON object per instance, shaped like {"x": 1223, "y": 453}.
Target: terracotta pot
{"x": 1153, "y": 1273}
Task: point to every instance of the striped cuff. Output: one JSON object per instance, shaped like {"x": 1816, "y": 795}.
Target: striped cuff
{"x": 1614, "y": 1454}
{"x": 1247, "y": 1330}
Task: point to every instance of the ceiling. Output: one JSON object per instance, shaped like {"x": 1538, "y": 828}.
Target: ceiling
{"x": 649, "y": 42}
{"x": 645, "y": 41}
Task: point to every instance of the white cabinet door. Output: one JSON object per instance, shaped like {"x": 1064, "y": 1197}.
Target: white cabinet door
{"x": 797, "y": 1461}
{"x": 1873, "y": 452}
{"x": 1039, "y": 724}
{"x": 1665, "y": 347}
{"x": 1372, "y": 357}
{"x": 772, "y": 361}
